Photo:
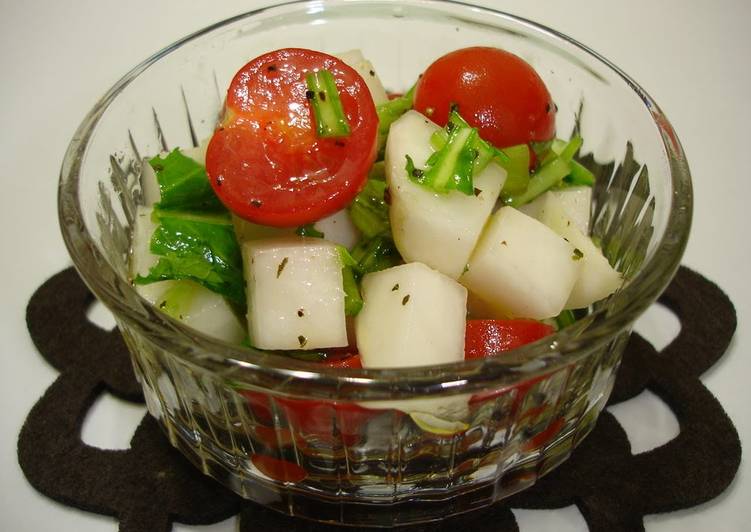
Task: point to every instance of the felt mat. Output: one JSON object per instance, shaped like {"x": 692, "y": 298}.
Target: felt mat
{"x": 150, "y": 485}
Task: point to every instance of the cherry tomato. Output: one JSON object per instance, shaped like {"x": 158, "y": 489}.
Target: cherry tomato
{"x": 486, "y": 337}
{"x": 260, "y": 407}
{"x": 266, "y": 162}
{"x": 496, "y": 92}
{"x": 280, "y": 470}
{"x": 545, "y": 436}
{"x": 327, "y": 421}
{"x": 345, "y": 360}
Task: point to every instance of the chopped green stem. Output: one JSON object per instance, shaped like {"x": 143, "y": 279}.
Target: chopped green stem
{"x": 565, "y": 318}
{"x": 388, "y": 112}
{"x": 452, "y": 166}
{"x": 460, "y": 154}
{"x": 516, "y": 164}
{"x": 558, "y": 168}
{"x": 378, "y": 171}
{"x": 326, "y": 104}
{"x": 548, "y": 176}
{"x": 580, "y": 176}
{"x": 542, "y": 148}
{"x": 568, "y": 152}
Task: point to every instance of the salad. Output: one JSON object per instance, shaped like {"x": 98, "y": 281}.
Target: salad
{"x": 329, "y": 220}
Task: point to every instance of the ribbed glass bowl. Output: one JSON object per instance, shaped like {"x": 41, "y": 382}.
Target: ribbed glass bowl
{"x": 377, "y": 447}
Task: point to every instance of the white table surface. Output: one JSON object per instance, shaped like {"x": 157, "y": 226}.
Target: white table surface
{"x": 58, "y": 57}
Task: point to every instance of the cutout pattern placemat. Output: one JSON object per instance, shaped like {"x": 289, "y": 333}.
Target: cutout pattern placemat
{"x": 150, "y": 485}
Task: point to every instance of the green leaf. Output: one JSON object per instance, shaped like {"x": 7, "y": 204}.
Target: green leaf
{"x": 177, "y": 300}
{"x": 369, "y": 211}
{"x": 376, "y": 254}
{"x": 308, "y": 230}
{"x": 183, "y": 184}
{"x": 352, "y": 297}
{"x": 330, "y": 119}
{"x": 202, "y": 248}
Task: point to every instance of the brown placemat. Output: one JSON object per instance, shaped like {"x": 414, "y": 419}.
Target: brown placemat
{"x": 150, "y": 485}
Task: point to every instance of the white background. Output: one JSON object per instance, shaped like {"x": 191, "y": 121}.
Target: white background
{"x": 58, "y": 57}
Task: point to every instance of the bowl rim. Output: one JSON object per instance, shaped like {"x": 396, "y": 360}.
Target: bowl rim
{"x": 250, "y": 368}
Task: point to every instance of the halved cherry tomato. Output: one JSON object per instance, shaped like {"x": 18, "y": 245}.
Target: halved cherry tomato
{"x": 496, "y": 92}
{"x": 280, "y": 470}
{"x": 266, "y": 162}
{"x": 486, "y": 337}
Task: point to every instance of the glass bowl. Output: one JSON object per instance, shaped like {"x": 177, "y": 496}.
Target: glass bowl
{"x": 377, "y": 447}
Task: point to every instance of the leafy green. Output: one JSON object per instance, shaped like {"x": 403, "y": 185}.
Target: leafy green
{"x": 199, "y": 247}
{"x": 376, "y": 254}
{"x": 177, "y": 300}
{"x": 183, "y": 184}
{"x": 330, "y": 119}
{"x": 308, "y": 230}
{"x": 369, "y": 211}
{"x": 352, "y": 297}
{"x": 389, "y": 112}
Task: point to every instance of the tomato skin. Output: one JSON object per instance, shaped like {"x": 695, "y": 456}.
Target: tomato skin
{"x": 266, "y": 162}
{"x": 487, "y": 337}
{"x": 496, "y": 92}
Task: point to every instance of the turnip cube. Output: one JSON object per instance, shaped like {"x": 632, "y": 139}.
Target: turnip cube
{"x": 597, "y": 279}
{"x": 189, "y": 302}
{"x": 204, "y": 310}
{"x": 439, "y": 230}
{"x": 412, "y": 316}
{"x": 295, "y": 293}
{"x": 356, "y": 60}
{"x": 149, "y": 184}
{"x": 339, "y": 229}
{"x": 575, "y": 202}
{"x": 522, "y": 267}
